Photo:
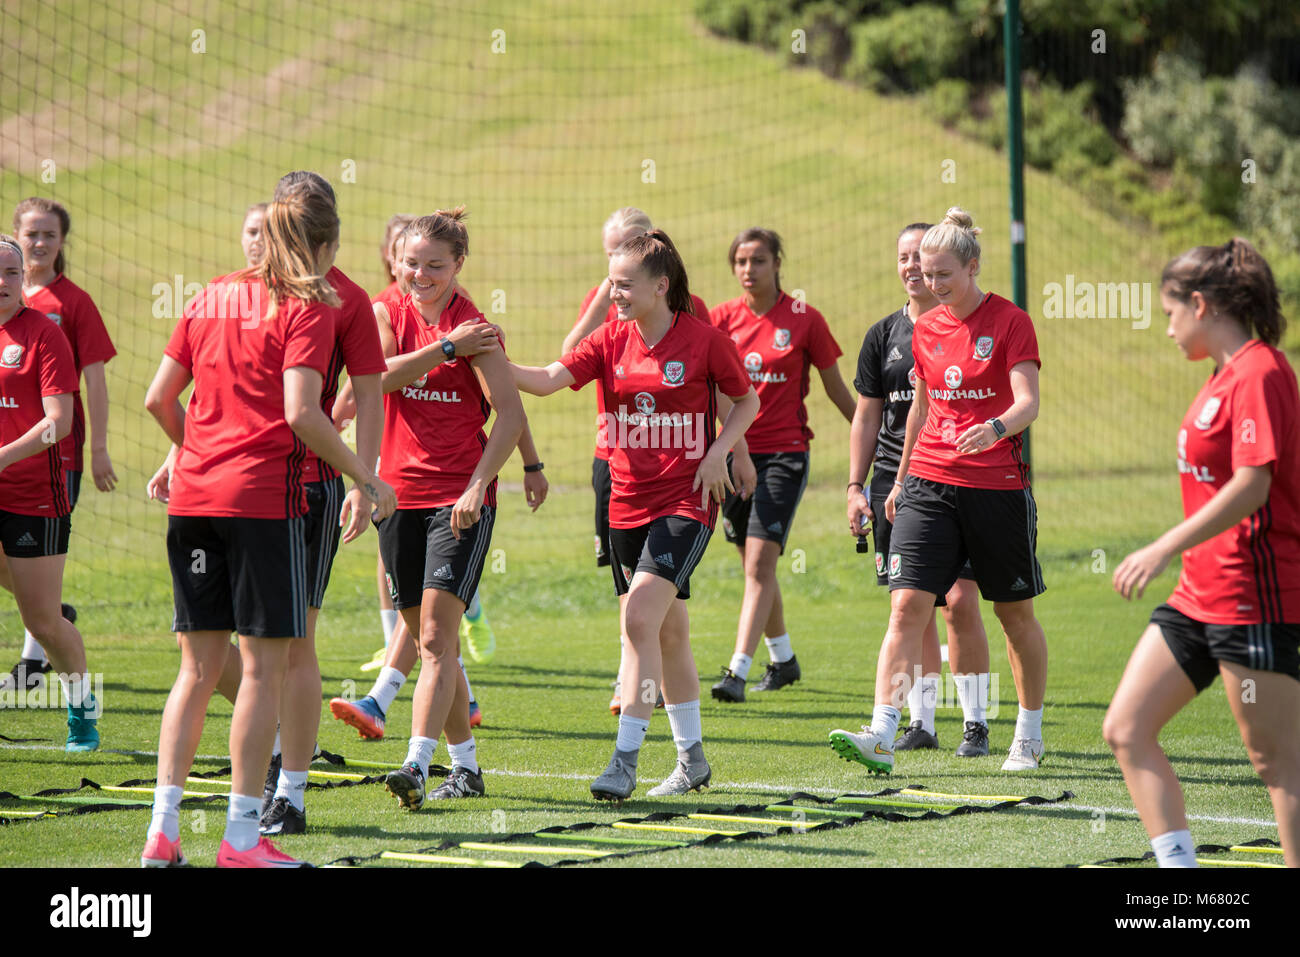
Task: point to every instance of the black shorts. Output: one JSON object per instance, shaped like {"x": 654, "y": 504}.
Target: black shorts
{"x": 246, "y": 575}
{"x": 939, "y": 527}
{"x": 324, "y": 502}
{"x": 882, "y": 483}
{"x": 769, "y": 512}
{"x": 670, "y": 547}
{"x": 34, "y": 536}
{"x": 420, "y": 553}
{"x": 600, "y": 484}
{"x": 74, "y": 487}
{"x": 1199, "y": 647}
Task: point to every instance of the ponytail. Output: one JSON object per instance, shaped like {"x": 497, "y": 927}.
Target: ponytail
{"x": 296, "y": 227}
{"x": 1234, "y": 279}
{"x": 446, "y": 225}
{"x": 655, "y": 253}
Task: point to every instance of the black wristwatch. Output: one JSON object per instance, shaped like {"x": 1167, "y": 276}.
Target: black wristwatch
{"x": 535, "y": 467}
{"x": 448, "y": 348}
{"x": 999, "y": 430}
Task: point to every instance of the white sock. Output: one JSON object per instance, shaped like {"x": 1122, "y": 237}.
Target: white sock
{"x": 389, "y": 617}
{"x": 684, "y": 719}
{"x": 76, "y": 690}
{"x": 166, "y": 812}
{"x": 973, "y": 693}
{"x": 884, "y": 721}
{"x": 1174, "y": 849}
{"x": 386, "y": 686}
{"x": 275, "y": 748}
{"x": 468, "y": 687}
{"x": 420, "y": 752}
{"x": 740, "y": 665}
{"x": 291, "y": 785}
{"x": 475, "y": 608}
{"x": 921, "y": 701}
{"x": 241, "y": 821}
{"x": 1029, "y": 724}
{"x": 32, "y": 649}
{"x": 779, "y": 649}
{"x": 631, "y": 732}
{"x": 464, "y": 755}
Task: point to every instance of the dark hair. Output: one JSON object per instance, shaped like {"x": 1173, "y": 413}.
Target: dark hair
{"x": 304, "y": 179}
{"x": 655, "y": 253}
{"x": 446, "y": 225}
{"x": 1234, "y": 279}
{"x": 40, "y": 204}
{"x": 756, "y": 234}
{"x": 914, "y": 227}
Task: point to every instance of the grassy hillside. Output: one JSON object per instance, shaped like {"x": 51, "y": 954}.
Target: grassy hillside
{"x": 157, "y": 149}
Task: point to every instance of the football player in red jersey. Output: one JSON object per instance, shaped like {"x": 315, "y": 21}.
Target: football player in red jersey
{"x": 37, "y": 379}
{"x": 399, "y": 655}
{"x": 1236, "y": 609}
{"x": 595, "y": 311}
{"x": 966, "y": 493}
{"x": 257, "y": 346}
{"x": 885, "y": 382}
{"x": 781, "y": 339}
{"x": 439, "y": 397}
{"x": 659, "y": 368}
{"x": 42, "y": 228}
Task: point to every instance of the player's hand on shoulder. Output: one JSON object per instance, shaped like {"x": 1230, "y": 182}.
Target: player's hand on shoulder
{"x": 474, "y": 338}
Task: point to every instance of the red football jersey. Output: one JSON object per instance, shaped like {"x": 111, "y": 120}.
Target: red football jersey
{"x": 1248, "y": 413}
{"x": 433, "y": 428}
{"x": 701, "y": 311}
{"x": 240, "y": 458}
{"x": 356, "y": 348}
{"x": 72, "y": 310}
{"x": 966, "y": 365}
{"x": 35, "y": 361}
{"x": 665, "y": 412}
{"x": 778, "y": 349}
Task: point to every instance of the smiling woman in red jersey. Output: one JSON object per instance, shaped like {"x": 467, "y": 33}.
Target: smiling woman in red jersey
{"x": 885, "y": 382}
{"x": 966, "y": 494}
{"x": 446, "y": 375}
{"x": 257, "y": 346}
{"x": 1236, "y": 609}
{"x": 660, "y": 369}
{"x": 596, "y": 310}
{"x": 37, "y": 379}
{"x": 782, "y": 340}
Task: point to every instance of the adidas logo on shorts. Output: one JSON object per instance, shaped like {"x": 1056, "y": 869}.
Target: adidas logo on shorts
{"x": 775, "y": 527}
{"x": 1019, "y": 585}
{"x": 666, "y": 560}
{"x": 443, "y": 572}
{"x": 27, "y": 541}
{"x": 894, "y": 355}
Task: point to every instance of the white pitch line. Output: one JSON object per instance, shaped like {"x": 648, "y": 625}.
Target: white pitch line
{"x": 783, "y": 789}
